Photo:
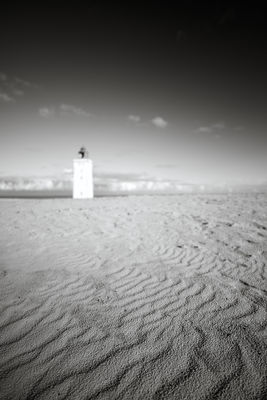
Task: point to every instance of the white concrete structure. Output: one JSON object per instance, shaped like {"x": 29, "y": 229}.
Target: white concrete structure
{"x": 83, "y": 187}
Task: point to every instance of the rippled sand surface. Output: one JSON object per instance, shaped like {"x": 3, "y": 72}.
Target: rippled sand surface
{"x": 146, "y": 297}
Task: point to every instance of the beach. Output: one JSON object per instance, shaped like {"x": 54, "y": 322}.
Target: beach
{"x": 138, "y": 297}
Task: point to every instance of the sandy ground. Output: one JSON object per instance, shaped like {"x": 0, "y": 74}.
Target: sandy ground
{"x": 134, "y": 298}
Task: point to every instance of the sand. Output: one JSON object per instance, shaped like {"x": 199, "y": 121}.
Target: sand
{"x": 137, "y": 297}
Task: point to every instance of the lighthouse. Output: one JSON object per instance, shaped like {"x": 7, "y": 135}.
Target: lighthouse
{"x": 83, "y": 176}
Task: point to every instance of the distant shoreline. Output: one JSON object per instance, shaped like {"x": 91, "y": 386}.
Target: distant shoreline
{"x": 60, "y": 195}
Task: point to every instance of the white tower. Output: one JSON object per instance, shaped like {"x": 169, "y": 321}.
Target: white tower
{"x": 83, "y": 177}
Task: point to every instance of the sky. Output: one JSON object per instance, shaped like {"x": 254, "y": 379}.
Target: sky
{"x": 162, "y": 95}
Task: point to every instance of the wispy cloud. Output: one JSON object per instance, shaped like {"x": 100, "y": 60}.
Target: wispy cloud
{"x": 13, "y": 88}
{"x": 67, "y": 109}
{"x": 6, "y": 98}
{"x": 213, "y": 130}
{"x": 134, "y": 118}
{"x": 64, "y": 110}
{"x": 46, "y": 112}
{"x": 204, "y": 129}
{"x": 159, "y": 122}
{"x": 26, "y": 83}
{"x": 218, "y": 125}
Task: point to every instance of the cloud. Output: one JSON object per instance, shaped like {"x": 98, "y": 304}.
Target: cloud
{"x": 159, "y": 122}
{"x": 204, "y": 129}
{"x": 211, "y": 129}
{"x": 63, "y": 109}
{"x": 218, "y": 125}
{"x": 67, "y": 109}
{"x": 6, "y": 98}
{"x": 13, "y": 87}
{"x": 46, "y": 112}
{"x": 25, "y": 83}
{"x": 134, "y": 118}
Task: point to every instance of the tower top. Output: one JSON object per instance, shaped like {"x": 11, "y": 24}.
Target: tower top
{"x": 83, "y": 152}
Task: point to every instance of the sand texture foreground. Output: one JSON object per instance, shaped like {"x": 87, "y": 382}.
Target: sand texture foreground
{"x": 134, "y": 298}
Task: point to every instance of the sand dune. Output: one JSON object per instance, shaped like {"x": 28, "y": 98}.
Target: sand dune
{"x": 134, "y": 298}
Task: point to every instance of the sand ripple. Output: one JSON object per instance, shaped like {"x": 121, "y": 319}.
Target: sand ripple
{"x": 134, "y": 298}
